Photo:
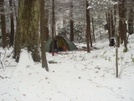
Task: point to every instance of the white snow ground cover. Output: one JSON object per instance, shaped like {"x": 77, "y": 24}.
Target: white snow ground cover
{"x": 72, "y": 76}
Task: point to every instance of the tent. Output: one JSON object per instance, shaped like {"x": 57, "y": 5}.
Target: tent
{"x": 61, "y": 43}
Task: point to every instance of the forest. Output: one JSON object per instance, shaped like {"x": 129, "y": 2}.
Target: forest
{"x": 27, "y": 24}
{"x": 66, "y": 50}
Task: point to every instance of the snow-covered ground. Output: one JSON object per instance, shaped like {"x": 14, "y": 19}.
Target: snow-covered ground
{"x": 72, "y": 76}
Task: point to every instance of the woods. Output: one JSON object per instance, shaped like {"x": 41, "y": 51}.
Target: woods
{"x": 29, "y": 23}
{"x": 66, "y": 50}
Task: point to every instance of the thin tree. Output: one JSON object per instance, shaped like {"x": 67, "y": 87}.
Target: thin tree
{"x": 71, "y": 21}
{"x": 42, "y": 34}
{"x": 93, "y": 29}
{"x": 110, "y": 20}
{"x": 53, "y": 26}
{"x": 12, "y": 24}
{"x": 87, "y": 26}
{"x": 117, "y": 38}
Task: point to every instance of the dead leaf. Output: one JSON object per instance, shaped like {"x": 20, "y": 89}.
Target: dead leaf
{"x": 6, "y": 60}
{"x": 24, "y": 94}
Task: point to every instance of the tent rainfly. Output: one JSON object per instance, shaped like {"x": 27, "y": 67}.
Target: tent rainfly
{"x": 60, "y": 44}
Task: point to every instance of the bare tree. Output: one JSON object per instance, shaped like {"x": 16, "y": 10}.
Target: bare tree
{"x": 71, "y": 22}
{"x": 12, "y": 24}
{"x": 42, "y": 34}
{"x": 53, "y": 26}
{"x": 87, "y": 26}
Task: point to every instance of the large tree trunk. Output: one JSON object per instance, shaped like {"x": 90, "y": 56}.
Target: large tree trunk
{"x": 27, "y": 28}
{"x": 12, "y": 26}
{"x": 42, "y": 34}
{"x": 3, "y": 25}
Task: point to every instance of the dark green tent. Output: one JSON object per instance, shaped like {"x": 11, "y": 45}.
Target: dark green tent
{"x": 62, "y": 42}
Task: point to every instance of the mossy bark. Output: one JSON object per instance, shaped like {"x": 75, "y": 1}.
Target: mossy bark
{"x": 27, "y": 28}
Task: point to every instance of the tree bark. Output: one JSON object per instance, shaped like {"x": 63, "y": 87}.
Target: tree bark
{"x": 12, "y": 26}
{"x": 93, "y": 29}
{"x": 71, "y": 22}
{"x": 122, "y": 23}
{"x": 46, "y": 25}
{"x": 115, "y": 27}
{"x": 42, "y": 34}
{"x": 3, "y": 25}
{"x": 53, "y": 27}
{"x": 130, "y": 21}
{"x": 27, "y": 28}
{"x": 87, "y": 27}
{"x": 110, "y": 19}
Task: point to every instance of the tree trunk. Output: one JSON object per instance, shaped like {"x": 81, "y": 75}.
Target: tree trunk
{"x": 130, "y": 21}
{"x": 3, "y": 25}
{"x": 71, "y": 30}
{"x": 122, "y": 23}
{"x": 116, "y": 62}
{"x": 27, "y": 28}
{"x": 42, "y": 34}
{"x": 109, "y": 17}
{"x": 115, "y": 26}
{"x": 12, "y": 26}
{"x": 46, "y": 25}
{"x": 87, "y": 27}
{"x": 117, "y": 39}
{"x": 53, "y": 27}
{"x": 71, "y": 22}
{"x": 90, "y": 35}
{"x": 93, "y": 29}
{"x": 108, "y": 23}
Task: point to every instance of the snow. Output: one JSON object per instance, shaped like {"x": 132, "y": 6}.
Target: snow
{"x": 72, "y": 76}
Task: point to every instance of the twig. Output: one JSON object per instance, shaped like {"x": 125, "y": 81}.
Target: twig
{"x": 1, "y": 77}
{"x": 2, "y": 67}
